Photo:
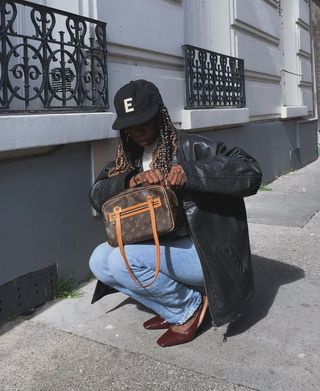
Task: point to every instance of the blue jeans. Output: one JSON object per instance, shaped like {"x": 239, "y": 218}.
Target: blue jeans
{"x": 173, "y": 295}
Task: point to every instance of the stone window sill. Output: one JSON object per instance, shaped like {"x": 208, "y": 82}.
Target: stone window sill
{"x": 210, "y": 118}
{"x": 293, "y": 111}
{"x": 39, "y": 130}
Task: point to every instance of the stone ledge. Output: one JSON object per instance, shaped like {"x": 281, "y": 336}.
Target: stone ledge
{"x": 293, "y": 111}
{"x": 38, "y": 130}
{"x": 209, "y": 118}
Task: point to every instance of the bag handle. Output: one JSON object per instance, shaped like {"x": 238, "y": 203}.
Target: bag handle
{"x": 117, "y": 212}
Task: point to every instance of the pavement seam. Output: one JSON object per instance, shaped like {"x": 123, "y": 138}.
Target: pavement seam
{"x": 317, "y": 211}
{"x": 143, "y": 355}
{"x": 291, "y": 227}
{"x": 276, "y": 225}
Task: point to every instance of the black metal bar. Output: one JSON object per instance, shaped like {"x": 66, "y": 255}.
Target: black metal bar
{"x": 45, "y": 59}
{"x": 63, "y": 69}
{"x": 92, "y": 71}
{"x": 51, "y": 64}
{"x": 26, "y": 72}
{"x": 213, "y": 79}
{"x": 3, "y": 64}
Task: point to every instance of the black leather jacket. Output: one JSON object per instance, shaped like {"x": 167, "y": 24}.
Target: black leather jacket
{"x": 217, "y": 181}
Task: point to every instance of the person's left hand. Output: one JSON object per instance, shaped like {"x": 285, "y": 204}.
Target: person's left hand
{"x": 176, "y": 176}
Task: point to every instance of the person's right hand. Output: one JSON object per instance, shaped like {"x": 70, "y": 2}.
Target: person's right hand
{"x": 149, "y": 177}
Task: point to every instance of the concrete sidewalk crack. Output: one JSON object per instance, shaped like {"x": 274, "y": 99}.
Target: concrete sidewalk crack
{"x": 311, "y": 217}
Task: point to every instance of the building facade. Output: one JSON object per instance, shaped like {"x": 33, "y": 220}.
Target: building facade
{"x": 316, "y": 49}
{"x": 53, "y": 144}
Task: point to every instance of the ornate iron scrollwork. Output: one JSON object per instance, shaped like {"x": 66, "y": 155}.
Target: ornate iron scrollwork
{"x": 59, "y": 83}
{"x": 213, "y": 79}
{"x": 48, "y": 67}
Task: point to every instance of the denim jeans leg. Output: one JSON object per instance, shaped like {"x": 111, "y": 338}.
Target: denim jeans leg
{"x": 172, "y": 295}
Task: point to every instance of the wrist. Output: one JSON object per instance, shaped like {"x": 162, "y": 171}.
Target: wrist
{"x": 134, "y": 180}
{"x": 130, "y": 183}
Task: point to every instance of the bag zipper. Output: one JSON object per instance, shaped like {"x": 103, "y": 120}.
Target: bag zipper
{"x": 143, "y": 208}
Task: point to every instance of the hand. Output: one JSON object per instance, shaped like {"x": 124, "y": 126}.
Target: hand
{"x": 177, "y": 176}
{"x": 150, "y": 177}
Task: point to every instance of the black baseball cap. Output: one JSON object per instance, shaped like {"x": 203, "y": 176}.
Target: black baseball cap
{"x": 135, "y": 103}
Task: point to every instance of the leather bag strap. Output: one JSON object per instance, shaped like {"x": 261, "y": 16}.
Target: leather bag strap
{"x": 117, "y": 212}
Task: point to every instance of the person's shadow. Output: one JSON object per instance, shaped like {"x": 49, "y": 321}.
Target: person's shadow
{"x": 269, "y": 275}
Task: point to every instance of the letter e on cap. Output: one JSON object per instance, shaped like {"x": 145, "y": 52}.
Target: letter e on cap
{"x": 128, "y": 105}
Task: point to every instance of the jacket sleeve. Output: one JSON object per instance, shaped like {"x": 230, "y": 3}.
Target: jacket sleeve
{"x": 105, "y": 187}
{"x": 218, "y": 170}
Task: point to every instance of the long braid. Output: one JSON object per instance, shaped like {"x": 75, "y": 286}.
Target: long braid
{"x": 167, "y": 144}
{"x": 162, "y": 155}
{"x": 122, "y": 159}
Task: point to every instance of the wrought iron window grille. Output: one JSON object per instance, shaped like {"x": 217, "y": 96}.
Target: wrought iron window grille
{"x": 213, "y": 79}
{"x": 57, "y": 61}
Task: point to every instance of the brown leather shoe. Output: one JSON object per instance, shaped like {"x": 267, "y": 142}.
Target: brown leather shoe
{"x": 173, "y": 337}
{"x": 156, "y": 323}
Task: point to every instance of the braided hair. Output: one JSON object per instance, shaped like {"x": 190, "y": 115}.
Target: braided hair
{"x": 162, "y": 155}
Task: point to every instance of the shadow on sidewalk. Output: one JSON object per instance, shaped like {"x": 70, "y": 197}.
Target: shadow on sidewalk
{"x": 269, "y": 275}
{"x": 128, "y": 301}
{"x": 10, "y": 324}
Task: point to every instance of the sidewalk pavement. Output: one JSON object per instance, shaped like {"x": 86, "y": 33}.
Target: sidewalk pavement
{"x": 274, "y": 344}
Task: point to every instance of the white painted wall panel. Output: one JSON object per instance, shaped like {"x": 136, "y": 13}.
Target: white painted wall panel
{"x": 220, "y": 27}
{"x": 207, "y": 25}
{"x": 304, "y": 39}
{"x": 263, "y": 98}
{"x": 258, "y": 14}
{"x": 259, "y": 56}
{"x": 290, "y": 89}
{"x": 307, "y": 98}
{"x": 290, "y": 80}
{"x": 303, "y": 11}
{"x": 198, "y": 24}
{"x": 305, "y": 69}
{"x": 70, "y": 5}
{"x": 151, "y": 24}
